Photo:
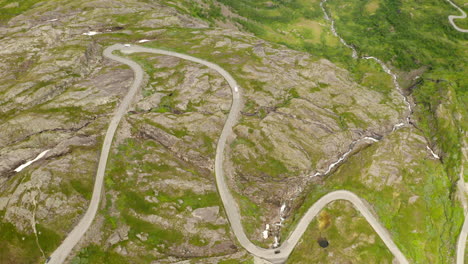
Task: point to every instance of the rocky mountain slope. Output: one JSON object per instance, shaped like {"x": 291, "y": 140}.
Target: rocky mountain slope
{"x": 301, "y": 113}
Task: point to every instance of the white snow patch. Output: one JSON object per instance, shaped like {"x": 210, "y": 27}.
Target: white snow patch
{"x": 236, "y": 89}
{"x": 433, "y": 153}
{"x": 52, "y": 20}
{"x": 127, "y": 45}
{"x": 91, "y": 33}
{"x": 397, "y": 126}
{"x": 143, "y": 40}
{"x": 21, "y": 167}
{"x": 371, "y": 139}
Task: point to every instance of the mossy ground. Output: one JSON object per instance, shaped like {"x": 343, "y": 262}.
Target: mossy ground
{"x": 410, "y": 46}
{"x": 426, "y": 229}
{"x": 349, "y": 235}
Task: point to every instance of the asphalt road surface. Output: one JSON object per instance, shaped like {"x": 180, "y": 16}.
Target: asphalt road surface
{"x": 60, "y": 254}
{"x": 277, "y": 255}
{"x": 461, "y": 243}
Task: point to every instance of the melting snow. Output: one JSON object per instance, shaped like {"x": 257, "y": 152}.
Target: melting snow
{"x": 432, "y": 153}
{"x": 52, "y": 20}
{"x": 143, "y": 40}
{"x": 20, "y": 168}
{"x": 91, "y": 33}
{"x": 371, "y": 139}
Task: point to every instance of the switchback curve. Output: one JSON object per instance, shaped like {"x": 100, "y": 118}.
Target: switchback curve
{"x": 452, "y": 17}
{"x": 278, "y": 255}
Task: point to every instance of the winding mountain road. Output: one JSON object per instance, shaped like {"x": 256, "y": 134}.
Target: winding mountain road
{"x": 452, "y": 17}
{"x": 61, "y": 253}
{"x": 277, "y": 255}
{"x": 461, "y": 242}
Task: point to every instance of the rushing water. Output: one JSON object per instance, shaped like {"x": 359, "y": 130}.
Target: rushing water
{"x": 385, "y": 69}
{"x": 367, "y": 138}
{"x": 381, "y": 63}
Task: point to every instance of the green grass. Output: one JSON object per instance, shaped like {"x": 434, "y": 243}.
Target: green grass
{"x": 136, "y": 201}
{"x": 93, "y": 254}
{"x": 189, "y": 199}
{"x": 84, "y": 187}
{"x": 347, "y": 229}
{"x": 15, "y": 249}
{"x": 48, "y": 239}
{"x": 171, "y": 201}
{"x": 157, "y": 235}
{"x": 434, "y": 216}
{"x": 198, "y": 241}
{"x": 402, "y": 49}
{"x": 8, "y": 13}
{"x": 412, "y": 35}
{"x": 236, "y": 261}
{"x": 251, "y": 213}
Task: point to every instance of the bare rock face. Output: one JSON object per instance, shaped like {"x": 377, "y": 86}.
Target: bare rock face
{"x": 208, "y": 214}
{"x": 58, "y": 93}
{"x": 121, "y": 234}
{"x": 302, "y": 116}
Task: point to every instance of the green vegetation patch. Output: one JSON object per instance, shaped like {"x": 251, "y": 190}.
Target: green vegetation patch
{"x": 93, "y": 254}
{"x": 349, "y": 238}
{"x": 416, "y": 207}
{"x": 17, "y": 247}
{"x": 128, "y": 162}
{"x": 12, "y": 8}
{"x": 410, "y": 35}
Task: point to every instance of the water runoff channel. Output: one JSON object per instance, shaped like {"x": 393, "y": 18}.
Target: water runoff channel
{"x": 367, "y": 139}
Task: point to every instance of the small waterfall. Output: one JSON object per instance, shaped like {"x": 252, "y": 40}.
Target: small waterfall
{"x": 355, "y": 56}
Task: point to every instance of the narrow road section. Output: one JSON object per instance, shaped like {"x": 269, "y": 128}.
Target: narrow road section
{"x": 276, "y": 255}
{"x": 452, "y": 17}
{"x": 463, "y": 191}
{"x": 61, "y": 253}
